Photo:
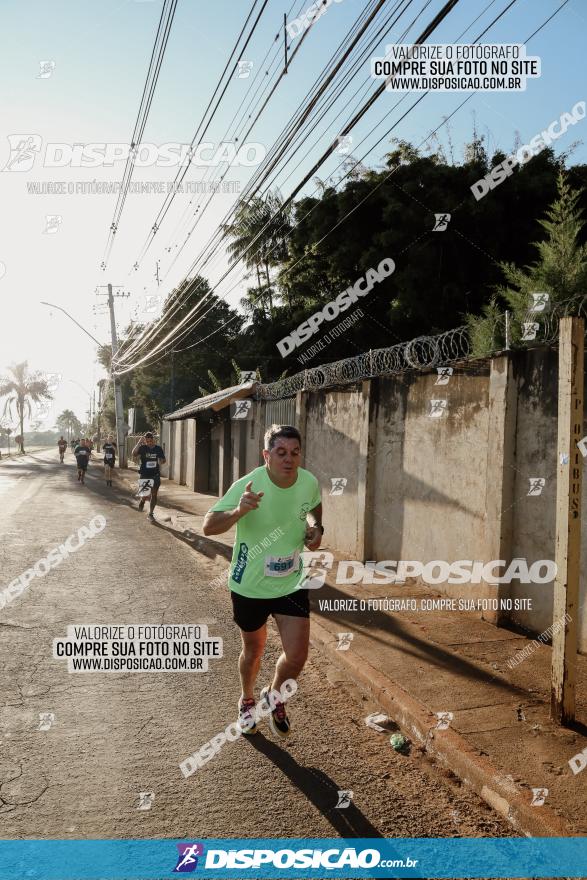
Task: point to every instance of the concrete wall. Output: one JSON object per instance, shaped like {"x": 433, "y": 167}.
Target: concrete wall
{"x": 536, "y": 376}
{"x": 331, "y": 446}
{"x": 429, "y": 473}
{"x": 419, "y": 487}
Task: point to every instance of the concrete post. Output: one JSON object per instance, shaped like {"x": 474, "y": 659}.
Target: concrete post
{"x": 499, "y": 484}
{"x": 203, "y": 437}
{"x": 224, "y": 458}
{"x": 191, "y": 440}
{"x": 170, "y": 450}
{"x": 365, "y": 474}
{"x": 300, "y": 424}
{"x": 239, "y": 448}
{"x": 568, "y": 519}
{"x": 183, "y": 453}
{"x": 165, "y": 434}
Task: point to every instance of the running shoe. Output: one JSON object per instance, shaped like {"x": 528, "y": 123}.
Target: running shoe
{"x": 278, "y": 720}
{"x": 141, "y": 503}
{"x": 151, "y": 517}
{"x": 246, "y": 717}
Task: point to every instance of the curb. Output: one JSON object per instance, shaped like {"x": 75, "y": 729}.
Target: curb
{"x": 448, "y": 747}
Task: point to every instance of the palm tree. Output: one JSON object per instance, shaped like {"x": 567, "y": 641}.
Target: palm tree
{"x": 259, "y": 232}
{"x": 69, "y": 422}
{"x": 21, "y": 388}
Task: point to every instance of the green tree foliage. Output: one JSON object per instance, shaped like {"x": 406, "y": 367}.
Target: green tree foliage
{"x": 303, "y": 259}
{"x": 194, "y": 361}
{"x": 258, "y": 236}
{"x": 560, "y": 271}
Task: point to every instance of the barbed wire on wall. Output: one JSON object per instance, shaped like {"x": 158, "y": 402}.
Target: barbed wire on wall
{"x": 533, "y": 328}
{"x": 421, "y": 353}
{"x": 548, "y": 321}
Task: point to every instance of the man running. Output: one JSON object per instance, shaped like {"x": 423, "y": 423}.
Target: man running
{"x": 277, "y": 507}
{"x": 82, "y": 456}
{"x": 151, "y": 457}
{"x": 109, "y": 450}
{"x": 62, "y": 446}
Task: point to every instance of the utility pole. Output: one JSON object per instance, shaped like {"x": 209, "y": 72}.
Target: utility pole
{"x": 118, "y": 407}
{"x": 99, "y": 414}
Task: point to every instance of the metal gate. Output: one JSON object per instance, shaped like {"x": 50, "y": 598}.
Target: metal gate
{"x": 280, "y": 412}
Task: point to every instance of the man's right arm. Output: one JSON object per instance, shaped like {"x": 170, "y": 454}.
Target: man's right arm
{"x": 218, "y": 521}
{"x": 135, "y": 451}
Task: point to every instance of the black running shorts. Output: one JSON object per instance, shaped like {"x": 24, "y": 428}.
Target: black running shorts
{"x": 252, "y": 614}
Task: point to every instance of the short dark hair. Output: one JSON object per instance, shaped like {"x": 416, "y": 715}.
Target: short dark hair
{"x": 274, "y": 432}
{"x": 149, "y": 434}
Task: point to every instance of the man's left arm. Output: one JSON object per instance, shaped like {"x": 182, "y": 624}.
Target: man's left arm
{"x": 161, "y": 458}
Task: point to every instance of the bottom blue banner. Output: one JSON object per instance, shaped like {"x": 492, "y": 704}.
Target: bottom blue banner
{"x": 292, "y": 857}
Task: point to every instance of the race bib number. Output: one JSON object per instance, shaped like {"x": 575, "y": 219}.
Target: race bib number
{"x": 281, "y": 566}
{"x": 108, "y": 456}
{"x": 145, "y": 486}
{"x": 151, "y": 464}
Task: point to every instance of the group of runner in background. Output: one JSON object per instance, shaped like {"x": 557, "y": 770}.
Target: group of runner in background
{"x": 82, "y": 449}
{"x": 146, "y": 451}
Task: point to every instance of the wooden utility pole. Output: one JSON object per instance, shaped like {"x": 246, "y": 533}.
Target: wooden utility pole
{"x": 568, "y": 519}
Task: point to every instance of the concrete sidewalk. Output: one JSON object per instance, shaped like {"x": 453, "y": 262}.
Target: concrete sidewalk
{"x": 500, "y": 740}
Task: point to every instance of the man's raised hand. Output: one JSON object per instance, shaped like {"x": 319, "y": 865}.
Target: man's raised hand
{"x": 249, "y": 500}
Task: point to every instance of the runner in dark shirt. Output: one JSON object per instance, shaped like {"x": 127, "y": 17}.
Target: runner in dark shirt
{"x": 62, "y": 446}
{"x": 151, "y": 456}
{"x": 82, "y": 456}
{"x": 109, "y": 450}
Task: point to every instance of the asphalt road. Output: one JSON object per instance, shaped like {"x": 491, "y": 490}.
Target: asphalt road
{"x": 115, "y": 735}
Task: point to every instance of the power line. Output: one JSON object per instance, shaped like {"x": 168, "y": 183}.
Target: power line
{"x": 503, "y": 12}
{"x": 446, "y": 9}
{"x": 231, "y": 57}
{"x": 376, "y": 4}
{"x": 284, "y": 136}
{"x": 182, "y": 173}
{"x": 157, "y": 54}
{"x": 243, "y": 111}
{"x": 283, "y": 72}
{"x": 140, "y": 342}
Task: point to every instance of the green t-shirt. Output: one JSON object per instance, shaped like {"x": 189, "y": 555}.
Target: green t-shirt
{"x": 266, "y": 561}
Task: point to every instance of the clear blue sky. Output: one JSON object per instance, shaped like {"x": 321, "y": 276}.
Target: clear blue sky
{"x": 101, "y": 53}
